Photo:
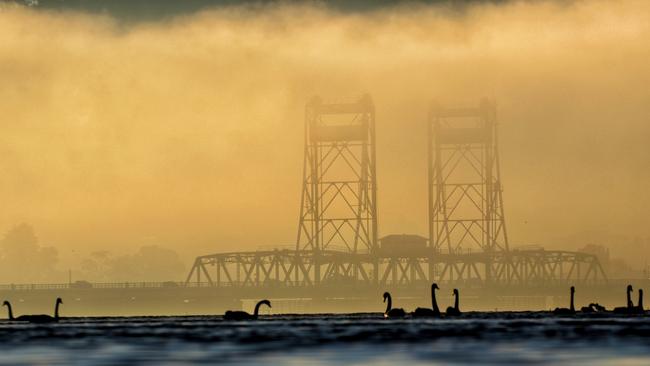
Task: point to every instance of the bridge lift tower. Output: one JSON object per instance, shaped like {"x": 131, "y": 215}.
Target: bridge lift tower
{"x": 339, "y": 196}
{"x": 465, "y": 195}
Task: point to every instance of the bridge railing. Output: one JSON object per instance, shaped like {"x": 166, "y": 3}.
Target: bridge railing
{"x": 461, "y": 283}
{"x": 298, "y": 268}
{"x": 97, "y": 285}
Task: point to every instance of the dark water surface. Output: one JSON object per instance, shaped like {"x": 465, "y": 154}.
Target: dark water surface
{"x": 358, "y": 339}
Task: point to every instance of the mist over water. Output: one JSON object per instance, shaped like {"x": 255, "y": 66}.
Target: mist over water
{"x": 188, "y": 132}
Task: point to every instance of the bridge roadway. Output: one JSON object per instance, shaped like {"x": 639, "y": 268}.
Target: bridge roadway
{"x": 179, "y": 298}
{"x": 298, "y": 269}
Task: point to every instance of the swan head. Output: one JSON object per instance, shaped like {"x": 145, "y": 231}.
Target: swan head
{"x": 640, "y": 291}
{"x": 59, "y": 301}
{"x": 456, "y": 291}
{"x": 266, "y": 302}
{"x": 573, "y": 289}
{"x": 386, "y": 295}
{"x": 435, "y": 286}
{"x": 629, "y": 288}
{"x": 6, "y": 303}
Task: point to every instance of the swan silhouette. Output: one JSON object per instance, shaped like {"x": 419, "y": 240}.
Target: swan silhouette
{"x": 242, "y": 315}
{"x": 565, "y": 311}
{"x": 599, "y": 308}
{"x": 426, "y": 312}
{"x": 593, "y": 308}
{"x": 587, "y": 309}
{"x": 630, "y": 306}
{"x": 455, "y": 310}
{"x": 390, "y": 312}
{"x": 40, "y": 318}
{"x": 639, "y": 308}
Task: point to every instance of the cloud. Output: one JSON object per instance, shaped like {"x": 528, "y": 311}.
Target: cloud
{"x": 190, "y": 129}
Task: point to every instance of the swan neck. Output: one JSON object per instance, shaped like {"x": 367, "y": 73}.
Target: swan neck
{"x": 629, "y": 298}
{"x": 572, "y": 305}
{"x": 456, "y": 301}
{"x": 11, "y": 313}
{"x": 434, "y": 303}
{"x": 641, "y": 300}
{"x": 257, "y": 309}
{"x": 56, "y": 310}
{"x": 389, "y": 303}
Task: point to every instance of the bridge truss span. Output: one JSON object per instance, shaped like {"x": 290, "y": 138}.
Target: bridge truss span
{"x": 291, "y": 269}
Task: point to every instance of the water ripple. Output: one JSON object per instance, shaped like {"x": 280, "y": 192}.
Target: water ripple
{"x": 325, "y": 339}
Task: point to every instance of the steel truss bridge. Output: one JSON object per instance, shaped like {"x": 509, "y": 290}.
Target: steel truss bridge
{"x": 291, "y": 268}
{"x": 337, "y": 245}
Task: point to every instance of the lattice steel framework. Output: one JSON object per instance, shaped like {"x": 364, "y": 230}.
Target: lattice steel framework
{"x": 291, "y": 269}
{"x": 465, "y": 200}
{"x": 339, "y": 198}
{"x": 336, "y": 247}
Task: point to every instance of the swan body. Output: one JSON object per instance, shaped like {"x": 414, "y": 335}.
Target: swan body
{"x": 242, "y": 315}
{"x": 426, "y": 312}
{"x": 454, "y": 311}
{"x": 390, "y": 312}
{"x": 593, "y": 308}
{"x": 629, "y": 309}
{"x": 587, "y": 309}
{"x": 39, "y": 318}
{"x": 621, "y": 310}
{"x": 598, "y": 308}
{"x": 564, "y": 311}
{"x": 395, "y": 313}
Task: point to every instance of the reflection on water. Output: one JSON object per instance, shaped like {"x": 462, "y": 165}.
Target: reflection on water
{"x": 331, "y": 340}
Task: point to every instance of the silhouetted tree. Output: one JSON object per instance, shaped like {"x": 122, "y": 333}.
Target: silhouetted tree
{"x": 96, "y": 267}
{"x": 23, "y": 260}
{"x": 149, "y": 263}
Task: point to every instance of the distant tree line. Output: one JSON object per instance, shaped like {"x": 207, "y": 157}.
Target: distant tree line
{"x": 149, "y": 263}
{"x": 24, "y": 260}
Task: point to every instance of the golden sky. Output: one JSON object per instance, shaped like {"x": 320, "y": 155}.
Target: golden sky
{"x": 188, "y": 132}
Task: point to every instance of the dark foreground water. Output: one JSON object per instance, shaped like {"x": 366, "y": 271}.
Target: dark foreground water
{"x": 357, "y": 339}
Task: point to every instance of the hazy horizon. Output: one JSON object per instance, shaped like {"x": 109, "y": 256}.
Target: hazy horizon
{"x": 186, "y": 132}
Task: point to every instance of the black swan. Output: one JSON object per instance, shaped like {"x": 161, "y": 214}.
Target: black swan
{"x": 455, "y": 310}
{"x": 599, "y": 308}
{"x": 639, "y": 308}
{"x": 588, "y": 309}
{"x": 593, "y": 308}
{"x": 242, "y": 315}
{"x": 41, "y": 318}
{"x": 426, "y": 312}
{"x": 390, "y": 312}
{"x": 630, "y": 306}
{"x": 565, "y": 311}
